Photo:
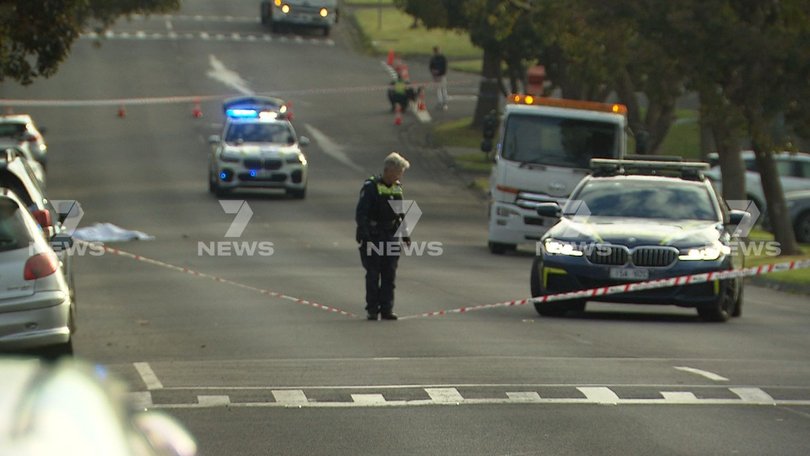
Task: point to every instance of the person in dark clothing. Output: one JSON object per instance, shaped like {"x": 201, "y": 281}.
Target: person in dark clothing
{"x": 438, "y": 68}
{"x": 401, "y": 93}
{"x": 379, "y": 232}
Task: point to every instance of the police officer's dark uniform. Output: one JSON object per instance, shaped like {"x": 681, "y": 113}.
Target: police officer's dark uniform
{"x": 377, "y": 223}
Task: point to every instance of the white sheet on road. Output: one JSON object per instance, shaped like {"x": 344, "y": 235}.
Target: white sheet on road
{"x": 107, "y": 232}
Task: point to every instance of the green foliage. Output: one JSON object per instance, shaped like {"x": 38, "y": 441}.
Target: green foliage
{"x": 36, "y": 35}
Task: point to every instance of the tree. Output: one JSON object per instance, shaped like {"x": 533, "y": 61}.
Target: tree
{"x": 36, "y": 35}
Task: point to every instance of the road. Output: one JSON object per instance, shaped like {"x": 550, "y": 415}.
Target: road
{"x": 261, "y": 355}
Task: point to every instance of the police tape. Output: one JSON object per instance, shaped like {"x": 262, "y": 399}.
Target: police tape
{"x": 631, "y": 287}
{"x": 192, "y": 272}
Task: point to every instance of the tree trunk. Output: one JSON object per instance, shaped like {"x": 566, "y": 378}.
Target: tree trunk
{"x": 772, "y": 187}
{"x": 489, "y": 90}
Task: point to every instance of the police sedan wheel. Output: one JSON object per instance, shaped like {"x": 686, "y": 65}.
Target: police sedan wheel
{"x": 550, "y": 309}
{"x": 722, "y": 309}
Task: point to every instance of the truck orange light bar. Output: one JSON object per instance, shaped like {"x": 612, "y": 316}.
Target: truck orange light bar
{"x": 573, "y": 104}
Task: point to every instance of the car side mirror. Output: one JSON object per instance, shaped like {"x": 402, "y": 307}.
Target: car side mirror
{"x": 304, "y": 141}
{"x": 736, "y": 217}
{"x": 552, "y": 210}
{"x": 214, "y": 139}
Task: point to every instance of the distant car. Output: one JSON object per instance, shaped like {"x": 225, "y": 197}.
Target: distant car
{"x": 74, "y": 408}
{"x": 24, "y": 151}
{"x": 643, "y": 222}
{"x": 258, "y": 148}
{"x": 21, "y": 128}
{"x": 36, "y": 310}
{"x": 798, "y": 204}
{"x": 793, "y": 169}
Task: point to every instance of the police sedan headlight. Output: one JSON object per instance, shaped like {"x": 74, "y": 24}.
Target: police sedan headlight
{"x": 555, "y": 247}
{"x": 228, "y": 156}
{"x": 297, "y": 159}
{"x": 705, "y": 253}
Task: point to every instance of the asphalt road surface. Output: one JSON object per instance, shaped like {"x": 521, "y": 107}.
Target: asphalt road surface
{"x": 261, "y": 355}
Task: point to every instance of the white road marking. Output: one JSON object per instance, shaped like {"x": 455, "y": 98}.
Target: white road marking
{"x": 530, "y": 396}
{"x": 140, "y": 34}
{"x": 140, "y": 399}
{"x": 755, "y": 395}
{"x": 679, "y": 397}
{"x": 290, "y": 397}
{"x": 600, "y": 395}
{"x": 148, "y": 376}
{"x": 444, "y": 395}
{"x": 204, "y": 35}
{"x": 368, "y": 399}
{"x": 331, "y": 148}
{"x": 707, "y": 374}
{"x": 213, "y": 401}
{"x": 230, "y": 78}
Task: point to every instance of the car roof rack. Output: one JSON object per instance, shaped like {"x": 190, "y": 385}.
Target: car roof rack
{"x": 649, "y": 165}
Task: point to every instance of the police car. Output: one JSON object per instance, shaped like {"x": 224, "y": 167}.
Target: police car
{"x": 634, "y": 221}
{"x": 258, "y": 148}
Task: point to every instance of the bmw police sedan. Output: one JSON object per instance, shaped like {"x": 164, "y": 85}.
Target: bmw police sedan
{"x": 634, "y": 221}
{"x": 258, "y": 148}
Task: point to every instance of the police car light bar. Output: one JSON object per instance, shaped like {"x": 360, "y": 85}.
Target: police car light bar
{"x": 255, "y": 107}
{"x": 612, "y": 164}
{"x": 614, "y": 108}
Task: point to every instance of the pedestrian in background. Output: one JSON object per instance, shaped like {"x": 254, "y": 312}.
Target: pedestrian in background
{"x": 378, "y": 224}
{"x": 438, "y": 68}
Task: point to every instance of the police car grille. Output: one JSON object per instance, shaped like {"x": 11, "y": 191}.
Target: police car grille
{"x": 252, "y": 163}
{"x": 608, "y": 255}
{"x": 272, "y": 164}
{"x": 654, "y": 256}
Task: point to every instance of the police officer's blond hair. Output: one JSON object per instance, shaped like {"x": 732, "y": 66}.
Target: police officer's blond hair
{"x": 396, "y": 161}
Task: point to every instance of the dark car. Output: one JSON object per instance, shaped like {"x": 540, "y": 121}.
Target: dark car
{"x": 635, "y": 221}
{"x": 798, "y": 204}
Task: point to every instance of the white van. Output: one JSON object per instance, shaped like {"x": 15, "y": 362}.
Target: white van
{"x": 544, "y": 148}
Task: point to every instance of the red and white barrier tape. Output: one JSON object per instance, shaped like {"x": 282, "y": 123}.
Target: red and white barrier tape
{"x": 630, "y": 287}
{"x": 226, "y": 281}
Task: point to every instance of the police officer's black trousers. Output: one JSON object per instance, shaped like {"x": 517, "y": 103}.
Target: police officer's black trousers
{"x": 381, "y": 272}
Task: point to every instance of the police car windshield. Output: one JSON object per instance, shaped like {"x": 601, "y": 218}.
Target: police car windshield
{"x": 278, "y": 133}
{"x": 649, "y": 199}
{"x": 553, "y": 141}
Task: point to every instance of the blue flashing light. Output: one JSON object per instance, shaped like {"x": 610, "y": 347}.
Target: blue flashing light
{"x": 223, "y": 175}
{"x": 252, "y": 173}
{"x": 241, "y": 113}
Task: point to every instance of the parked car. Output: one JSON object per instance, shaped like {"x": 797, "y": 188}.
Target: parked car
{"x": 798, "y": 204}
{"x": 21, "y": 128}
{"x": 793, "y": 169}
{"x": 644, "y": 221}
{"x": 22, "y": 150}
{"x": 36, "y": 309}
{"x": 73, "y": 408}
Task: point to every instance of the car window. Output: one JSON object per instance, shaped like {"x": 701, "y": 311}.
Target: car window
{"x": 13, "y": 232}
{"x": 785, "y": 168}
{"x": 277, "y": 133}
{"x": 12, "y": 182}
{"x": 647, "y": 199}
{"x": 11, "y": 130}
{"x": 751, "y": 165}
{"x": 803, "y": 169}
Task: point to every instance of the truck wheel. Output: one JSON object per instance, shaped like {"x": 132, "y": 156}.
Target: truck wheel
{"x": 499, "y": 248}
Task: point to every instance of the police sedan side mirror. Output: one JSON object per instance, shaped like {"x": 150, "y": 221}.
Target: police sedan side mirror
{"x": 552, "y": 210}
{"x": 214, "y": 139}
{"x": 737, "y": 217}
{"x": 303, "y": 141}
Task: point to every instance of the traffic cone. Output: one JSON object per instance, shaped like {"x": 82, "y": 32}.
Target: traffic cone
{"x": 398, "y": 115}
{"x": 122, "y": 112}
{"x": 197, "y": 111}
{"x": 421, "y": 105}
{"x": 390, "y": 60}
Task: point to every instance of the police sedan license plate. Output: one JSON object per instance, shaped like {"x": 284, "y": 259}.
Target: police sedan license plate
{"x": 629, "y": 273}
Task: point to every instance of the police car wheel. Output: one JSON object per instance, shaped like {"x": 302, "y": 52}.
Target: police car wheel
{"x": 722, "y": 309}
{"x": 550, "y": 309}
{"x": 738, "y": 303}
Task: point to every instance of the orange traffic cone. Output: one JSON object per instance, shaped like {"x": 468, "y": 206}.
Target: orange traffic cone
{"x": 122, "y": 112}
{"x": 398, "y": 115}
{"x": 421, "y": 105}
{"x": 390, "y": 60}
{"x": 197, "y": 111}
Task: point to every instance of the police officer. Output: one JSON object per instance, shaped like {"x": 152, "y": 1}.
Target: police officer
{"x": 379, "y": 232}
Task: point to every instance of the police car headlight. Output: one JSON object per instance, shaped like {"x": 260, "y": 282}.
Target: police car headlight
{"x": 555, "y": 247}
{"x": 705, "y": 253}
{"x": 296, "y": 159}
{"x": 228, "y": 156}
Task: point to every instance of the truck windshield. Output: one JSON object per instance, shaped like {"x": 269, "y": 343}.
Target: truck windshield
{"x": 570, "y": 143}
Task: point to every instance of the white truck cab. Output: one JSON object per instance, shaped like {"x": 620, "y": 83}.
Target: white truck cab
{"x": 544, "y": 149}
